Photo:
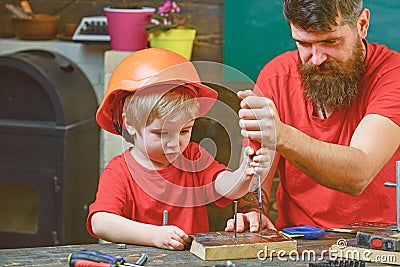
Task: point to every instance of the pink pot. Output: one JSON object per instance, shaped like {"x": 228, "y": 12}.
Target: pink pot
{"x": 126, "y": 27}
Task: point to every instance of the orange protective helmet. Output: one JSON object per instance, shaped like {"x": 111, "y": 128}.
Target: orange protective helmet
{"x": 143, "y": 69}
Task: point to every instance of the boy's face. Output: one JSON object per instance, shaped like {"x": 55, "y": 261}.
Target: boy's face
{"x": 161, "y": 142}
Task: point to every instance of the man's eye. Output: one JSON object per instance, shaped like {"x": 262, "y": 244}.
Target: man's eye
{"x": 304, "y": 44}
{"x": 330, "y": 42}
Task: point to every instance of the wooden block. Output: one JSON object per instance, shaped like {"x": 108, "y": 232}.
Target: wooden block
{"x": 351, "y": 251}
{"x": 223, "y": 245}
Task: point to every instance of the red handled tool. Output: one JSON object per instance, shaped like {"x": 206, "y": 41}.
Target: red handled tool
{"x": 381, "y": 241}
{"x": 256, "y": 183}
{"x": 94, "y": 258}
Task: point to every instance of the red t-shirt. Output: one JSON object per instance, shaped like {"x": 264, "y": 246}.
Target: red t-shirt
{"x": 128, "y": 189}
{"x": 300, "y": 199}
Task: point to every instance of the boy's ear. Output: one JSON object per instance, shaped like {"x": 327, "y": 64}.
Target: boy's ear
{"x": 129, "y": 128}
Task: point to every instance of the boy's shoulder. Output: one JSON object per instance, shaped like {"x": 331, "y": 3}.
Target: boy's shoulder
{"x": 192, "y": 150}
{"x": 118, "y": 161}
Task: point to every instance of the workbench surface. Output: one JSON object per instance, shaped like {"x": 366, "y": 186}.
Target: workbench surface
{"x": 57, "y": 256}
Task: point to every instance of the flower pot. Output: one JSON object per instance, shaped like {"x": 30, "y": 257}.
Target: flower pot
{"x": 177, "y": 40}
{"x": 126, "y": 27}
{"x": 41, "y": 27}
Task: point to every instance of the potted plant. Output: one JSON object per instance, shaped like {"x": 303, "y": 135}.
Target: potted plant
{"x": 169, "y": 29}
{"x": 126, "y": 26}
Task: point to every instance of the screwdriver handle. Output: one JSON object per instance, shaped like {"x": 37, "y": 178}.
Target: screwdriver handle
{"x": 254, "y": 184}
{"x": 87, "y": 263}
{"x": 254, "y": 145}
{"x": 93, "y": 258}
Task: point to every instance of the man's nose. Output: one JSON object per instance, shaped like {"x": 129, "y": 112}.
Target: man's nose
{"x": 318, "y": 56}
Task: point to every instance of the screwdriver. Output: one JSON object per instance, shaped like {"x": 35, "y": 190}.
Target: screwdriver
{"x": 94, "y": 258}
{"x": 87, "y": 263}
{"x": 256, "y": 146}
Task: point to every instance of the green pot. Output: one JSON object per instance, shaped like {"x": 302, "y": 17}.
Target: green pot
{"x": 176, "y": 40}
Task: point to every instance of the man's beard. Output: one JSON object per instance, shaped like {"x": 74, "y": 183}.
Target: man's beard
{"x": 337, "y": 89}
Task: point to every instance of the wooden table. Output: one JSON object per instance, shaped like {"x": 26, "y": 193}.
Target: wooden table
{"x": 57, "y": 256}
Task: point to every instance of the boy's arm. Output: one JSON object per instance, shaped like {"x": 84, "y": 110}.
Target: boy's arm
{"x": 248, "y": 216}
{"x": 235, "y": 184}
{"x": 249, "y": 202}
{"x": 118, "y": 229}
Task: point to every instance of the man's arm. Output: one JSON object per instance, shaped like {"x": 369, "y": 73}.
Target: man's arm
{"x": 345, "y": 168}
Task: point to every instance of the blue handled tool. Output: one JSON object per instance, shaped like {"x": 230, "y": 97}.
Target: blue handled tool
{"x": 305, "y": 231}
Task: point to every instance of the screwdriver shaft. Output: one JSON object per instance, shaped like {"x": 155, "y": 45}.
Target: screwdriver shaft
{"x": 260, "y": 204}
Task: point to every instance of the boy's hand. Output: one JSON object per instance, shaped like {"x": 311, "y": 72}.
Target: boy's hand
{"x": 258, "y": 161}
{"x": 171, "y": 237}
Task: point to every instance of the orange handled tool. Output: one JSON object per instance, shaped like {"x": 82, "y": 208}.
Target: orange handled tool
{"x": 26, "y": 7}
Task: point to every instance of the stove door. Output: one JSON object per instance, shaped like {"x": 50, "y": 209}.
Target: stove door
{"x": 28, "y": 201}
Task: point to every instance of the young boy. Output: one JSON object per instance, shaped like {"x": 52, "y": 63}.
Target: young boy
{"x": 156, "y": 95}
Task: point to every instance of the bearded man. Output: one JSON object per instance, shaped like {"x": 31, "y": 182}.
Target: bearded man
{"x": 331, "y": 109}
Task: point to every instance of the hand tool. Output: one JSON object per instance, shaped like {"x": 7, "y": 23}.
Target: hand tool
{"x": 305, "y": 231}
{"x": 397, "y": 186}
{"x": 121, "y": 246}
{"x": 17, "y": 11}
{"x": 382, "y": 241}
{"x": 256, "y": 146}
{"x": 349, "y": 230}
{"x": 143, "y": 258}
{"x": 94, "y": 258}
{"x": 235, "y": 202}
{"x": 338, "y": 263}
{"x": 26, "y": 7}
{"x": 165, "y": 218}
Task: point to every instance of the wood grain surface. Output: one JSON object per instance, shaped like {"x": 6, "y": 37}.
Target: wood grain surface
{"x": 224, "y": 245}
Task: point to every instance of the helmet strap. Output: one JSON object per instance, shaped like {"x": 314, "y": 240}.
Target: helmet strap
{"x": 117, "y": 124}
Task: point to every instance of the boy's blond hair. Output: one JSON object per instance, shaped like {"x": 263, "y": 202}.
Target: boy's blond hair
{"x": 143, "y": 107}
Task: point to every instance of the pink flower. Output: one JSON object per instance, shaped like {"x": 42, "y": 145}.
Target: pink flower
{"x": 175, "y": 7}
{"x": 166, "y": 7}
{"x": 168, "y": 17}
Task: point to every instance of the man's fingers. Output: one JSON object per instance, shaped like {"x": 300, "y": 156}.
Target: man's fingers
{"x": 230, "y": 224}
{"x": 252, "y": 218}
{"x": 244, "y": 94}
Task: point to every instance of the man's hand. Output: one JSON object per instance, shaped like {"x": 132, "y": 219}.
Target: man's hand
{"x": 259, "y": 119}
{"x": 249, "y": 220}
